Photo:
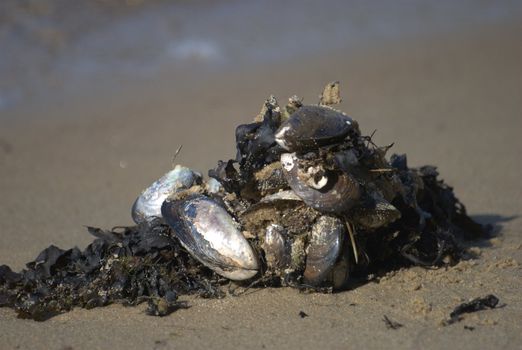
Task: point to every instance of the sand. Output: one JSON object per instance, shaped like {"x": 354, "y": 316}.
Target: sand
{"x": 450, "y": 100}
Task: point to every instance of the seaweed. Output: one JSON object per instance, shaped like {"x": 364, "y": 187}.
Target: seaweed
{"x": 405, "y": 216}
{"x": 478, "y": 304}
{"x": 391, "y": 324}
{"x": 128, "y": 265}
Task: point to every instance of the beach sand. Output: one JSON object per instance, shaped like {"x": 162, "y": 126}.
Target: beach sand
{"x": 451, "y": 100}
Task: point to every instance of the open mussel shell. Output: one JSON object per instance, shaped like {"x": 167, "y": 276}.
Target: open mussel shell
{"x": 148, "y": 205}
{"x": 324, "y": 249}
{"x": 210, "y": 234}
{"x": 335, "y": 192}
{"x": 311, "y": 127}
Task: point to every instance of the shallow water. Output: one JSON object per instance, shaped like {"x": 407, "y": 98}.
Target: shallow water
{"x": 52, "y": 50}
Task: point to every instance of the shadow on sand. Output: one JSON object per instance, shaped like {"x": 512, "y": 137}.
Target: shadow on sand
{"x": 493, "y": 223}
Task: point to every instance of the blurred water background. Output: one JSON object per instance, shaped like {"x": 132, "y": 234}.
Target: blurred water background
{"x": 54, "y": 51}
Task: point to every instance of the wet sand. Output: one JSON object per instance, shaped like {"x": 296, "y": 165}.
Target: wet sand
{"x": 451, "y": 100}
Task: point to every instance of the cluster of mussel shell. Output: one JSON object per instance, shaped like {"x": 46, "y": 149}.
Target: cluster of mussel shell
{"x": 289, "y": 207}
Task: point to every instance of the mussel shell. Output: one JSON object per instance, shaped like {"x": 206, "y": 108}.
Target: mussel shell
{"x": 339, "y": 194}
{"x": 213, "y": 186}
{"x": 340, "y": 274}
{"x": 284, "y": 208}
{"x": 311, "y": 127}
{"x": 148, "y": 205}
{"x": 324, "y": 249}
{"x": 281, "y": 196}
{"x": 276, "y": 247}
{"x": 270, "y": 179}
{"x": 210, "y": 234}
{"x": 375, "y": 212}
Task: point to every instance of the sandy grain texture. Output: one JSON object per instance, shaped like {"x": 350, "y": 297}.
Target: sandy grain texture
{"x": 454, "y": 101}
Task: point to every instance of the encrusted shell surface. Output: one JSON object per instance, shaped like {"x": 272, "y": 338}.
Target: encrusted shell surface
{"x": 377, "y": 212}
{"x": 311, "y": 127}
{"x": 324, "y": 249}
{"x": 335, "y": 192}
{"x": 210, "y": 234}
{"x": 148, "y": 205}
